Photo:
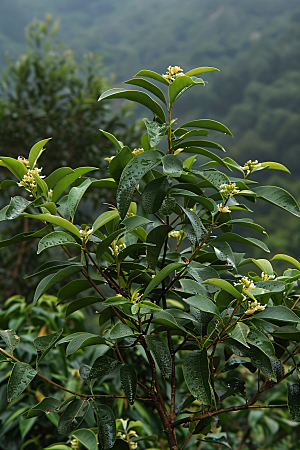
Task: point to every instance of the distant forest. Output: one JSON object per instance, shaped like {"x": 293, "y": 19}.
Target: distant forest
{"x": 255, "y": 44}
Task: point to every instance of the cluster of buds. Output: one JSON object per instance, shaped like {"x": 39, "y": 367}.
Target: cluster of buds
{"x": 246, "y": 283}
{"x": 175, "y": 234}
{"x": 126, "y": 436}
{"x": 265, "y": 277}
{"x": 254, "y": 306}
{"x": 75, "y": 445}
{"x": 85, "y": 234}
{"x": 28, "y": 182}
{"x": 117, "y": 248}
{"x": 137, "y": 151}
{"x": 229, "y": 189}
{"x": 172, "y": 73}
{"x": 223, "y": 208}
{"x": 23, "y": 161}
{"x": 249, "y": 166}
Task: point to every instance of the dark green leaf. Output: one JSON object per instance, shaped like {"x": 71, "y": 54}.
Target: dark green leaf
{"x": 247, "y": 223}
{"x": 294, "y": 401}
{"x": 56, "y": 238}
{"x": 149, "y": 86}
{"x": 203, "y": 303}
{"x": 156, "y": 131}
{"x": 154, "y": 194}
{"x": 46, "y": 405}
{"x": 75, "y": 196}
{"x": 106, "y": 424}
{"x": 197, "y": 225}
{"x": 121, "y": 331}
{"x": 207, "y": 153}
{"x": 67, "y": 180}
{"x": 280, "y": 313}
{"x": 239, "y": 333}
{"x": 172, "y": 165}
{"x": 179, "y": 85}
{"x": 216, "y": 438}
{"x": 16, "y": 207}
{"x": 81, "y": 303}
{"x": 136, "y": 96}
{"x": 161, "y": 276}
{"x": 103, "y": 245}
{"x": 103, "y": 365}
{"x": 83, "y": 340}
{"x": 131, "y": 175}
{"x": 43, "y": 345}
{"x": 213, "y": 177}
{"x": 191, "y": 146}
{"x": 10, "y": 338}
{"x": 208, "y": 124}
{"x": 72, "y": 417}
{"x": 21, "y": 375}
{"x": 117, "y": 164}
{"x": 232, "y": 237}
{"x": 161, "y": 354}
{"x": 129, "y": 382}
{"x": 26, "y": 236}
{"x": 156, "y": 236}
{"x": 224, "y": 253}
{"x": 278, "y": 369}
{"x": 202, "y": 273}
{"x": 197, "y": 375}
{"x": 192, "y": 287}
{"x": 278, "y": 197}
{"x": 168, "y": 206}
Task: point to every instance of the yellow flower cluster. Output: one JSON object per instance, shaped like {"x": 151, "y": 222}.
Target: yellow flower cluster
{"x": 137, "y": 151}
{"x": 23, "y": 161}
{"x": 85, "y": 234}
{"x": 173, "y": 72}
{"x": 28, "y": 181}
{"x": 126, "y": 436}
{"x": 229, "y": 189}
{"x": 266, "y": 277}
{"x": 117, "y": 249}
{"x": 175, "y": 234}
{"x": 223, "y": 209}
{"x": 250, "y": 165}
{"x": 246, "y": 283}
{"x": 254, "y": 306}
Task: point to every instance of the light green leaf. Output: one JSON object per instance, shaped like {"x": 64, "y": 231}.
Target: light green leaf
{"x": 106, "y": 424}
{"x": 156, "y": 131}
{"x": 153, "y": 75}
{"x": 156, "y": 236}
{"x": 56, "y": 238}
{"x": 87, "y": 438}
{"x": 72, "y": 416}
{"x": 172, "y": 165}
{"x": 113, "y": 139}
{"x": 179, "y": 85}
{"x": 10, "y": 338}
{"x": 136, "y": 96}
{"x": 274, "y": 165}
{"x": 105, "y": 218}
{"x": 21, "y": 375}
{"x": 67, "y": 180}
{"x": 197, "y": 375}
{"x": 287, "y": 258}
{"x": 44, "y": 344}
{"x": 55, "y": 220}
{"x": 149, "y": 86}
{"x": 131, "y": 175}
{"x": 161, "y": 276}
{"x": 161, "y": 354}
{"x": 51, "y": 208}
{"x": 199, "y": 70}
{"x": 203, "y": 304}
{"x": 57, "y": 175}
{"x": 226, "y": 286}
{"x": 129, "y": 382}
{"x": 278, "y": 197}
{"x": 17, "y": 168}
{"x": 36, "y": 152}
{"x": 83, "y": 340}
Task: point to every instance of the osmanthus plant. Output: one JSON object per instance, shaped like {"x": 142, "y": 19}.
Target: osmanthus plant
{"x": 177, "y": 313}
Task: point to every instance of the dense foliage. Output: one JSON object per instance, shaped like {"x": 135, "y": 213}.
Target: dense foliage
{"x": 182, "y": 330}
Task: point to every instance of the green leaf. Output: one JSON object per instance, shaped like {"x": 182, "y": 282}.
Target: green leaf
{"x": 132, "y": 249}
{"x": 56, "y": 238}
{"x": 199, "y": 70}
{"x": 72, "y": 416}
{"x": 239, "y": 333}
{"x": 202, "y": 273}
{"x": 132, "y": 223}
{"x": 51, "y": 207}
{"x": 280, "y": 313}
{"x": 224, "y": 252}
{"x": 208, "y": 124}
{"x": 161, "y": 276}
{"x": 26, "y": 236}
{"x": 215, "y": 438}
{"x": 172, "y": 165}
{"x": 75, "y": 287}
{"x": 119, "y": 162}
{"x": 247, "y": 223}
{"x": 153, "y": 75}
{"x": 258, "y": 358}
{"x": 260, "y": 340}
{"x": 46, "y": 405}
{"x": 156, "y": 131}
{"x": 55, "y": 220}
{"x": 103, "y": 365}
{"x": 156, "y": 236}
{"x": 131, "y": 175}
{"x": 197, "y": 225}
{"x": 67, "y": 180}
{"x": 192, "y": 287}
{"x": 106, "y": 424}
{"x": 154, "y": 194}
{"x": 81, "y": 303}
{"x": 21, "y": 375}
{"x": 44, "y": 344}
{"x": 289, "y": 333}
{"x": 121, "y": 331}
{"x": 161, "y": 354}
{"x": 105, "y": 218}
{"x": 103, "y": 245}
{"x": 191, "y": 146}
{"x": 113, "y": 139}
{"x": 17, "y": 168}
{"x": 36, "y": 152}
{"x": 129, "y": 382}
{"x": 83, "y": 340}
{"x": 226, "y": 286}
{"x": 87, "y": 438}
{"x": 10, "y": 338}
{"x": 213, "y": 177}
{"x": 150, "y": 87}
{"x": 149, "y": 305}
{"x": 233, "y": 237}
{"x": 294, "y": 401}
{"x": 203, "y": 303}
{"x": 57, "y": 175}
{"x": 136, "y": 96}
{"x": 8, "y": 183}
{"x": 16, "y": 206}
{"x": 179, "y": 85}
{"x": 288, "y": 259}
{"x": 196, "y": 373}
{"x": 278, "y": 197}
{"x": 167, "y": 321}
{"x": 46, "y": 283}
{"x": 75, "y": 195}
{"x": 207, "y": 153}
{"x": 274, "y": 165}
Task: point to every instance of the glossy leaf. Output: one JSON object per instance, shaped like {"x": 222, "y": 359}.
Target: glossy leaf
{"x": 179, "y": 85}
{"x": 104, "y": 245}
{"x": 191, "y": 146}
{"x": 17, "y": 168}
{"x": 121, "y": 331}
{"x": 36, "y": 152}
{"x": 161, "y": 276}
{"x": 280, "y": 313}
{"x": 199, "y": 70}
{"x": 119, "y": 162}
{"x": 278, "y": 197}
{"x": 138, "y": 97}
{"x": 208, "y": 124}
{"x": 216, "y": 439}
{"x": 201, "y": 273}
{"x": 154, "y": 193}
{"x": 72, "y": 416}
{"x": 287, "y": 258}
{"x": 57, "y": 238}
{"x": 197, "y": 375}
{"x": 156, "y": 236}
{"x": 233, "y": 237}
{"x": 274, "y": 165}
{"x": 239, "y": 333}
{"x": 172, "y": 165}
{"x": 131, "y": 175}
{"x": 104, "y": 219}
{"x": 44, "y": 344}
{"x": 153, "y": 75}
{"x": 81, "y": 303}
{"x": 55, "y": 220}
{"x": 247, "y": 223}
{"x": 161, "y": 354}
{"x": 226, "y": 286}
{"x": 113, "y": 139}
{"x": 87, "y": 438}
{"x": 213, "y": 177}
{"x": 10, "y": 338}
{"x": 156, "y": 131}
{"x": 224, "y": 252}
{"x": 67, "y": 180}
{"x": 83, "y": 340}
{"x": 46, "y": 283}
{"x": 16, "y": 206}
{"x": 102, "y": 366}
{"x": 203, "y": 304}
{"x": 75, "y": 195}
{"x": 57, "y": 175}
{"x": 197, "y": 225}
{"x": 149, "y": 86}
{"x": 75, "y": 287}
{"x": 106, "y": 424}
{"x": 129, "y": 382}
{"x": 27, "y": 236}
{"x": 207, "y": 153}
{"x": 46, "y": 405}
{"x": 22, "y": 374}
{"x": 294, "y": 401}
{"x": 192, "y": 287}
{"x": 278, "y": 369}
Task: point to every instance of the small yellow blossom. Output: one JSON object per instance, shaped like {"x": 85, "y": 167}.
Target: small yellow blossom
{"x": 254, "y": 306}
{"x": 266, "y": 277}
{"x": 121, "y": 435}
{"x": 223, "y": 209}
{"x": 85, "y": 234}
{"x": 174, "y": 70}
{"x": 28, "y": 181}
{"x": 246, "y": 282}
{"x": 132, "y": 445}
{"x": 175, "y": 234}
{"x": 23, "y": 161}
{"x": 137, "y": 151}
{"x": 229, "y": 189}
{"x": 117, "y": 248}
{"x": 172, "y": 73}
{"x": 249, "y": 166}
